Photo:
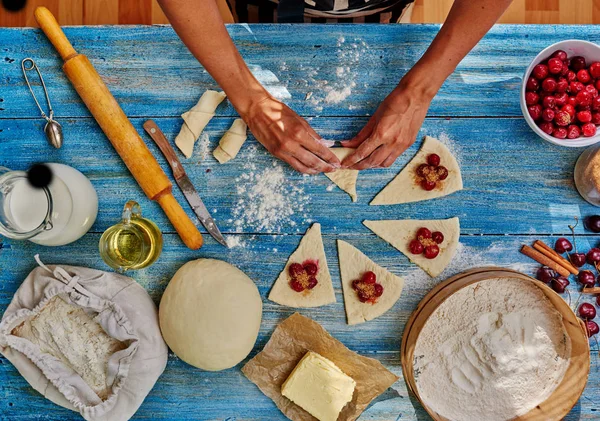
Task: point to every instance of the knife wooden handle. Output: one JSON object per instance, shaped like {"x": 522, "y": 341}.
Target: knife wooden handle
{"x": 165, "y": 147}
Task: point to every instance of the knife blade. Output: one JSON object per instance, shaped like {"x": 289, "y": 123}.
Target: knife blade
{"x": 183, "y": 181}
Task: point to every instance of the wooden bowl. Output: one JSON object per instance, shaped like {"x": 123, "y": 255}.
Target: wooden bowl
{"x": 566, "y": 394}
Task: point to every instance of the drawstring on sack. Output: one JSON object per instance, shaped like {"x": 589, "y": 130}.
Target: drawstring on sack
{"x": 62, "y": 275}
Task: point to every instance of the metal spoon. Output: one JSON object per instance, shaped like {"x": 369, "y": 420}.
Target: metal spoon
{"x": 52, "y": 128}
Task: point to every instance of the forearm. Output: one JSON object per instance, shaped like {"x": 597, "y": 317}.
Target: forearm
{"x": 200, "y": 26}
{"x": 467, "y": 22}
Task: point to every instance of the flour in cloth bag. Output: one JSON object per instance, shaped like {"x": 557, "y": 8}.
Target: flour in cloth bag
{"x": 492, "y": 351}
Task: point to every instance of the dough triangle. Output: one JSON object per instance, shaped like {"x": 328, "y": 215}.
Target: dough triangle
{"x": 344, "y": 179}
{"x": 353, "y": 264}
{"x": 400, "y": 233}
{"x": 404, "y": 188}
{"x": 310, "y": 248}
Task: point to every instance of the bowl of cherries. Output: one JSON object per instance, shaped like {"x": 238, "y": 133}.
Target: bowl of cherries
{"x": 559, "y": 95}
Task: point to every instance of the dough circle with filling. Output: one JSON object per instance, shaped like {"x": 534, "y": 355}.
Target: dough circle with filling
{"x": 210, "y": 314}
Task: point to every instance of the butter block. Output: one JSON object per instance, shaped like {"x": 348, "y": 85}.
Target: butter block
{"x": 319, "y": 387}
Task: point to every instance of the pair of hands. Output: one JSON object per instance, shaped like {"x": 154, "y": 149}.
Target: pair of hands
{"x": 388, "y": 133}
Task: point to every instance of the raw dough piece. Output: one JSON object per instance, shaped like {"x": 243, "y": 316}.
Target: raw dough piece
{"x": 231, "y": 142}
{"x": 319, "y": 387}
{"x": 344, "y": 179}
{"x": 310, "y": 248}
{"x": 196, "y": 119}
{"x": 400, "y": 233}
{"x": 68, "y": 333}
{"x": 492, "y": 351}
{"x": 210, "y": 314}
{"x": 404, "y": 189}
{"x": 353, "y": 264}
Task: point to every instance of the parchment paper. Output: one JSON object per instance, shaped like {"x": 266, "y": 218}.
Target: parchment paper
{"x": 291, "y": 340}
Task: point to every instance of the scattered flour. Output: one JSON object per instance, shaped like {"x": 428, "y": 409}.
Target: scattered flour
{"x": 492, "y": 351}
{"x": 235, "y": 241}
{"x": 452, "y": 146}
{"x": 267, "y": 200}
{"x": 204, "y": 148}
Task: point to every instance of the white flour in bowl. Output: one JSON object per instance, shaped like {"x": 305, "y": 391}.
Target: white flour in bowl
{"x": 492, "y": 351}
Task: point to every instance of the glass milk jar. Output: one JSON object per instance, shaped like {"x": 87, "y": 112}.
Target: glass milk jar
{"x": 53, "y": 215}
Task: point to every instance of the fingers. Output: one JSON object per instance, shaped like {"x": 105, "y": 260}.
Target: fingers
{"x": 362, "y": 152}
{"x": 299, "y": 166}
{"x": 361, "y": 136}
{"x": 374, "y": 160}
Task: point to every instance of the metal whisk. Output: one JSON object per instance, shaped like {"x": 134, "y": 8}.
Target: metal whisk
{"x": 52, "y": 128}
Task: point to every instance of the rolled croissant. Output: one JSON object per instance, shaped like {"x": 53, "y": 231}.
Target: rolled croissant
{"x": 231, "y": 142}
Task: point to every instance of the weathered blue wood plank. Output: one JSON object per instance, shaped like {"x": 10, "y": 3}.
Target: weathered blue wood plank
{"x": 514, "y": 182}
{"x": 165, "y": 80}
{"x": 187, "y": 393}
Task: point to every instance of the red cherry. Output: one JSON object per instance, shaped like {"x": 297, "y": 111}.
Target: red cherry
{"x": 562, "y": 85}
{"x": 442, "y": 172}
{"x": 369, "y": 278}
{"x": 586, "y": 311}
{"x": 560, "y": 133}
{"x": 423, "y": 233}
{"x": 572, "y": 101}
{"x": 562, "y": 245}
{"x": 569, "y": 109}
{"x": 378, "y": 290}
{"x": 573, "y": 131}
{"x": 586, "y": 278}
{"x": 296, "y": 285}
{"x": 434, "y": 159}
{"x": 540, "y": 71}
{"x": 571, "y": 76}
{"x": 576, "y": 87}
{"x": 548, "y": 114}
{"x": 584, "y": 98}
{"x": 596, "y": 118}
{"x": 593, "y": 256}
{"x": 547, "y": 127}
{"x": 549, "y": 84}
{"x": 427, "y": 185}
{"x": 596, "y": 103}
{"x": 532, "y": 84}
{"x": 311, "y": 269}
{"x": 416, "y": 247}
{"x": 577, "y": 259}
{"x": 431, "y": 252}
{"x": 561, "y": 118}
{"x": 363, "y": 297}
{"x": 535, "y": 111}
{"x": 547, "y": 102}
{"x": 531, "y": 98}
{"x": 555, "y": 65}
{"x": 597, "y": 84}
{"x": 421, "y": 169}
{"x": 295, "y": 269}
{"x": 589, "y": 129}
{"x": 595, "y": 69}
{"x": 312, "y": 282}
{"x": 578, "y": 63}
{"x": 583, "y": 76}
{"x": 583, "y": 116}
{"x": 560, "y": 99}
{"x": 438, "y": 237}
{"x": 560, "y": 54}
{"x": 560, "y": 284}
{"x": 592, "y": 328}
{"x": 590, "y": 89}
{"x": 545, "y": 274}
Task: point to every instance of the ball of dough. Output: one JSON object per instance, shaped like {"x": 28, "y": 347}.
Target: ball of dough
{"x": 210, "y": 314}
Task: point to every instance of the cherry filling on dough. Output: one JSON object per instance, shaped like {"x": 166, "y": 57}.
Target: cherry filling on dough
{"x": 426, "y": 243}
{"x": 430, "y": 175}
{"x": 303, "y": 276}
{"x": 367, "y": 288}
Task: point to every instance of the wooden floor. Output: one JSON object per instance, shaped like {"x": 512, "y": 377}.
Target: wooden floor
{"x": 102, "y": 12}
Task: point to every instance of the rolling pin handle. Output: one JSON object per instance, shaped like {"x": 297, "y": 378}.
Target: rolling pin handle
{"x": 55, "y": 34}
{"x": 183, "y": 224}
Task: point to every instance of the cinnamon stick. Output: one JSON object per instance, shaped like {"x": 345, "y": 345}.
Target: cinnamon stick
{"x": 593, "y": 290}
{"x": 548, "y": 252}
{"x": 544, "y": 260}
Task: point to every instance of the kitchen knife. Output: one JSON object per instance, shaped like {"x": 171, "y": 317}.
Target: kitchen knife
{"x": 183, "y": 181}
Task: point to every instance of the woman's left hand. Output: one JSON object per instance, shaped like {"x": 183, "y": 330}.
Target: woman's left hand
{"x": 391, "y": 130}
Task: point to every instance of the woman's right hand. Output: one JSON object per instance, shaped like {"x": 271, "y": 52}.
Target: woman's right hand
{"x": 289, "y": 137}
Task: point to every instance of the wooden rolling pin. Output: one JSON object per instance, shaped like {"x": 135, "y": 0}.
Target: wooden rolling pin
{"x": 119, "y": 130}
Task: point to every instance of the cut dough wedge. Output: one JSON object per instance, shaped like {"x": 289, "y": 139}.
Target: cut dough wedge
{"x": 344, "y": 179}
{"x": 311, "y": 249}
{"x": 353, "y": 264}
{"x": 405, "y": 189}
{"x": 400, "y": 233}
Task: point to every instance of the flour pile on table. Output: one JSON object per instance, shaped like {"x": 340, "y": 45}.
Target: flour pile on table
{"x": 267, "y": 200}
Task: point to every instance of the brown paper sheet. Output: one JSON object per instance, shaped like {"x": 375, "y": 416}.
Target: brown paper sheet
{"x": 293, "y": 338}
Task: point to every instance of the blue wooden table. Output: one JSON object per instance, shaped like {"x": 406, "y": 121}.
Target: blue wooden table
{"x": 517, "y": 187}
